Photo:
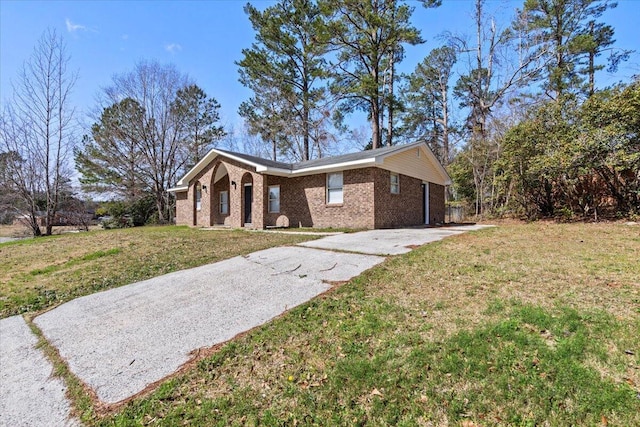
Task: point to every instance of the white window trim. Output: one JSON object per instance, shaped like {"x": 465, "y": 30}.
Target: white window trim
{"x": 221, "y": 204}
{"x": 396, "y": 185}
{"x": 270, "y": 199}
{"x": 198, "y": 196}
{"x": 341, "y": 188}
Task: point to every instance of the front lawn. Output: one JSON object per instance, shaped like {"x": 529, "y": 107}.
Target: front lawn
{"x": 522, "y": 325}
{"x": 38, "y": 273}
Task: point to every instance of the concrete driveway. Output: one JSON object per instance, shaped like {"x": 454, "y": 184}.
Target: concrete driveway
{"x": 122, "y": 340}
{"x": 387, "y": 242}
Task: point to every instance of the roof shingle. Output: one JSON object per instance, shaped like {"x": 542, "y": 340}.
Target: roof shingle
{"x": 324, "y": 161}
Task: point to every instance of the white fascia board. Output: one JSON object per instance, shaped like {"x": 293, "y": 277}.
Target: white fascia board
{"x": 335, "y": 167}
{"x": 178, "y": 189}
{"x": 184, "y": 181}
{"x": 212, "y": 154}
{"x": 274, "y": 171}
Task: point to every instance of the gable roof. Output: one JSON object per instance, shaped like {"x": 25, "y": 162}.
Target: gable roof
{"x": 326, "y": 164}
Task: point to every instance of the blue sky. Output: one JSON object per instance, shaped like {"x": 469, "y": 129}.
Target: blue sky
{"x": 205, "y": 38}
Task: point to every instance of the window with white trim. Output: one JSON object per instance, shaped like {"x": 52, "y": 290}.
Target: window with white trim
{"x": 395, "y": 183}
{"x": 274, "y": 199}
{"x": 334, "y": 188}
{"x": 224, "y": 202}
{"x": 198, "y": 196}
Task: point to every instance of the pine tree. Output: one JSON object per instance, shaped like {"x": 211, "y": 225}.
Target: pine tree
{"x": 568, "y": 35}
{"x": 368, "y": 37}
{"x": 110, "y": 161}
{"x": 286, "y": 62}
{"x": 427, "y": 103}
{"x": 198, "y": 117}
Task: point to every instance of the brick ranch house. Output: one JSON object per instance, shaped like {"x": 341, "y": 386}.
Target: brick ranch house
{"x": 388, "y": 187}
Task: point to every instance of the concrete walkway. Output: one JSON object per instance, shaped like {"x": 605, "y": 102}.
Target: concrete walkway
{"x": 29, "y": 394}
{"x": 7, "y": 239}
{"x": 122, "y": 340}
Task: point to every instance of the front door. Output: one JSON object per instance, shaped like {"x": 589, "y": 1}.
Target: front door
{"x": 248, "y": 201}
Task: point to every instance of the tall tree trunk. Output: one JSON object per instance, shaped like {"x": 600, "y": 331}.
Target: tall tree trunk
{"x": 445, "y": 124}
{"x": 375, "y": 124}
{"x": 306, "y": 118}
{"x": 305, "y": 133}
{"x": 390, "y": 116}
{"x": 274, "y": 149}
{"x": 591, "y": 70}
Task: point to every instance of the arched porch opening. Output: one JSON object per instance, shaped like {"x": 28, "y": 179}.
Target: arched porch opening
{"x": 247, "y": 199}
{"x": 220, "y": 207}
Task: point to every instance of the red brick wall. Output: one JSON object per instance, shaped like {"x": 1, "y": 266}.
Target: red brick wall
{"x": 436, "y": 204}
{"x": 303, "y": 201}
{"x": 184, "y": 210}
{"x": 398, "y": 210}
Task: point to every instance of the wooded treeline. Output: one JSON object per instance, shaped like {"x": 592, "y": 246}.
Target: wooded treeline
{"x": 513, "y": 111}
{"x": 509, "y": 111}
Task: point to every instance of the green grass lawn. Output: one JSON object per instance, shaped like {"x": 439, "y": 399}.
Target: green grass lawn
{"x": 522, "y": 325}
{"x": 36, "y": 274}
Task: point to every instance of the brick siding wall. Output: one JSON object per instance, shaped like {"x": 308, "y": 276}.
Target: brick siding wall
{"x": 183, "y": 211}
{"x": 303, "y": 201}
{"x": 436, "y": 204}
{"x": 398, "y": 210}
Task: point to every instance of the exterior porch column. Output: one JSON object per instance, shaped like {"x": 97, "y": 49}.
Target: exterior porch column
{"x": 259, "y": 201}
{"x": 235, "y": 199}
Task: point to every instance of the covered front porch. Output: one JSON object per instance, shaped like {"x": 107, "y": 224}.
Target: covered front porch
{"x": 225, "y": 194}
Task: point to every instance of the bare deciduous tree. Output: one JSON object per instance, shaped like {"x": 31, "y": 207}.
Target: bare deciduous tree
{"x": 37, "y": 128}
{"x": 158, "y": 134}
{"x": 494, "y": 73}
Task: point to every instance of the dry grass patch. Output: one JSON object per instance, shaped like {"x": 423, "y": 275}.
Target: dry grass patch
{"x": 38, "y": 273}
{"x": 585, "y": 266}
{"x": 518, "y": 325}
{"x": 22, "y": 231}
{"x": 14, "y": 231}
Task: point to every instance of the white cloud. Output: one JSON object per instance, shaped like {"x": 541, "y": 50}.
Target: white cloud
{"x": 173, "y": 48}
{"x": 71, "y": 27}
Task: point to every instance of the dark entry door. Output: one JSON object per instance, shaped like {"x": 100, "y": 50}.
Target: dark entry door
{"x": 248, "y": 201}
